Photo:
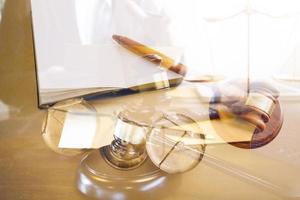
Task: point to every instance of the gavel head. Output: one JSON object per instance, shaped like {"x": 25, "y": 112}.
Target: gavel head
{"x": 260, "y": 107}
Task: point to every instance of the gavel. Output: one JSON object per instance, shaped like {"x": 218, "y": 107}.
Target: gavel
{"x": 150, "y": 54}
{"x": 260, "y": 107}
{"x": 165, "y": 146}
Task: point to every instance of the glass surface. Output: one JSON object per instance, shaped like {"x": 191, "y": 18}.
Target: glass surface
{"x": 188, "y": 136}
{"x": 98, "y": 179}
{"x": 54, "y": 124}
{"x": 176, "y": 151}
{"x": 187, "y": 100}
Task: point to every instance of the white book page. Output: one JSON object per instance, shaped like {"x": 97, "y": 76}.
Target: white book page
{"x": 74, "y": 46}
{"x": 86, "y": 130}
{"x": 64, "y": 59}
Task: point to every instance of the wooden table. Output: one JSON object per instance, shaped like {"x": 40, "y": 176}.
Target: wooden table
{"x": 30, "y": 170}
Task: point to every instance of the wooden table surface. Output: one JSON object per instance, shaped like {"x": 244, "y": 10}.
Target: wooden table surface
{"x": 28, "y": 168}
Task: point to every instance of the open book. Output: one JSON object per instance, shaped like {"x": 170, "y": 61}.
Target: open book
{"x": 75, "y": 54}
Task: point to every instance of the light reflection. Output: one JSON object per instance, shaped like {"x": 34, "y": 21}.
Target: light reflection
{"x": 84, "y": 180}
{"x": 128, "y": 188}
{"x": 7, "y": 111}
{"x": 153, "y": 184}
{"x": 4, "y": 111}
{"x": 2, "y": 2}
{"x": 83, "y": 183}
{"x": 88, "y": 187}
{"x": 118, "y": 196}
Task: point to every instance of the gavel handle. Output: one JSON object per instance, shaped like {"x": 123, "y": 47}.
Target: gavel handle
{"x": 150, "y": 54}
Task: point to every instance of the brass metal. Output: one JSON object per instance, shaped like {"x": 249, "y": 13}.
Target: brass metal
{"x": 123, "y": 155}
{"x": 130, "y": 133}
{"x": 127, "y": 151}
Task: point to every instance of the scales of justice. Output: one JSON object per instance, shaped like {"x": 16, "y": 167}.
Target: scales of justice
{"x": 162, "y": 131}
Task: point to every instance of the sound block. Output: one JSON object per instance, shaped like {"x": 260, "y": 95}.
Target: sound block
{"x": 257, "y": 138}
{"x": 261, "y": 138}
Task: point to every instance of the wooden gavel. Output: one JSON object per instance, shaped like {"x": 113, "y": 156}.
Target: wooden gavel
{"x": 150, "y": 54}
{"x": 260, "y": 107}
